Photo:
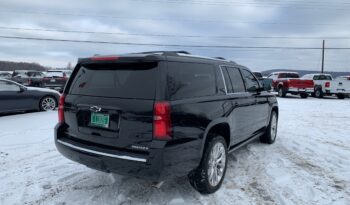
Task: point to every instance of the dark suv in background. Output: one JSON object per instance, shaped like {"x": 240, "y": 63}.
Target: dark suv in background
{"x": 155, "y": 115}
{"x": 56, "y": 79}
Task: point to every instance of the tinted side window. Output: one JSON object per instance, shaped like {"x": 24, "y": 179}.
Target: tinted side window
{"x": 228, "y": 82}
{"x": 188, "y": 80}
{"x": 282, "y": 75}
{"x": 236, "y": 80}
{"x": 250, "y": 81}
{"x": 292, "y": 75}
{"x": 6, "y": 86}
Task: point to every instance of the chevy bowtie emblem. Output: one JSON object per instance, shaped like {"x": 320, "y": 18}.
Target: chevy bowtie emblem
{"x": 95, "y": 109}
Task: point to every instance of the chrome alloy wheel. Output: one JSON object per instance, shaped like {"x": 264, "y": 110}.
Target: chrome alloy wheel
{"x": 273, "y": 126}
{"x": 48, "y": 103}
{"x": 217, "y": 163}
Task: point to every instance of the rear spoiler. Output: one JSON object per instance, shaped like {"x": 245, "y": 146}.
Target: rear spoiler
{"x": 121, "y": 59}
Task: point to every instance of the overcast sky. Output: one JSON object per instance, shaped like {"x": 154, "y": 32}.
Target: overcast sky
{"x": 201, "y": 18}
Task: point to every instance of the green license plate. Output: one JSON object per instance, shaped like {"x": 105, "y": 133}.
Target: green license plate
{"x": 99, "y": 120}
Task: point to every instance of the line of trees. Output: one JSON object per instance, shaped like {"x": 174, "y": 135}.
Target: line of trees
{"x": 11, "y": 66}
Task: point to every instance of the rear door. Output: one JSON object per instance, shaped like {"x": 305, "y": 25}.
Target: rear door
{"x": 257, "y": 115}
{"x": 241, "y": 104}
{"x": 112, "y": 103}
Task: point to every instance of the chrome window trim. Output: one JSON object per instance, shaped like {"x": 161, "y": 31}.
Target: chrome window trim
{"x": 102, "y": 153}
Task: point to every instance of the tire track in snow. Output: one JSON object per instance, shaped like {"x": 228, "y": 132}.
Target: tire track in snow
{"x": 336, "y": 185}
{"x": 256, "y": 186}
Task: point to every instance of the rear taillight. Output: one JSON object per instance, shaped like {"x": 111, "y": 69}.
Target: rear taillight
{"x": 29, "y": 82}
{"x": 327, "y": 84}
{"x": 61, "y": 109}
{"x": 162, "y": 121}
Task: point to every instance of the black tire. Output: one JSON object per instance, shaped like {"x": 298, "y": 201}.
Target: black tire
{"x": 340, "y": 96}
{"x": 304, "y": 95}
{"x": 281, "y": 92}
{"x": 199, "y": 178}
{"x": 270, "y": 134}
{"x": 49, "y": 98}
{"x": 319, "y": 93}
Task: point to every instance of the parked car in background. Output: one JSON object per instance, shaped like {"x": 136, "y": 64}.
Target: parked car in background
{"x": 325, "y": 85}
{"x": 290, "y": 82}
{"x": 5, "y": 74}
{"x": 56, "y": 79}
{"x": 15, "y": 97}
{"x": 162, "y": 114}
{"x": 28, "y": 77}
{"x": 264, "y": 81}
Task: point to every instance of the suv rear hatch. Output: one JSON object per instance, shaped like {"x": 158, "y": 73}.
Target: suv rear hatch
{"x": 111, "y": 104}
{"x": 55, "y": 79}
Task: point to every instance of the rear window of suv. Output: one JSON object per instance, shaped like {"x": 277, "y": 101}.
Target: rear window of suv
{"x": 123, "y": 80}
{"x": 189, "y": 80}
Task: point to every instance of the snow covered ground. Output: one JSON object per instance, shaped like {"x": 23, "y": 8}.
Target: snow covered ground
{"x": 308, "y": 164}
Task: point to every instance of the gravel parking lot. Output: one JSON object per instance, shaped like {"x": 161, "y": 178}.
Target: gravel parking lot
{"x": 308, "y": 164}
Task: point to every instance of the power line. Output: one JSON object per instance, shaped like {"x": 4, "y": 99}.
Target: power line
{"x": 252, "y": 2}
{"x": 175, "y": 35}
{"x": 173, "y": 19}
{"x": 299, "y": 5}
{"x": 287, "y": 1}
{"x": 171, "y": 45}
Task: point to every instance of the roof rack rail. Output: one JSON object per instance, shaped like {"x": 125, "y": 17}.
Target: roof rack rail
{"x": 167, "y": 53}
{"x": 221, "y": 58}
{"x": 183, "y": 54}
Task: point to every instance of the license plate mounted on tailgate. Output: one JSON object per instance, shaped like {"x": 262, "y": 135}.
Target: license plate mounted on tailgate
{"x": 99, "y": 120}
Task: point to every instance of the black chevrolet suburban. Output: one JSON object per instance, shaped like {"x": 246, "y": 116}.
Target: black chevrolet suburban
{"x": 157, "y": 115}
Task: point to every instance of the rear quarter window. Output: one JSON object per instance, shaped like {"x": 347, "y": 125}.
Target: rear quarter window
{"x": 123, "y": 80}
{"x": 189, "y": 80}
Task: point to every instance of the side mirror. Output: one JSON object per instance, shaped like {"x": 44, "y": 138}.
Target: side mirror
{"x": 255, "y": 89}
{"x": 259, "y": 89}
{"x": 22, "y": 89}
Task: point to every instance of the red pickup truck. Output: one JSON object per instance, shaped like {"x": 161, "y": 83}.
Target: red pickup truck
{"x": 290, "y": 82}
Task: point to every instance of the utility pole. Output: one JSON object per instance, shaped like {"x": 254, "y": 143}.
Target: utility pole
{"x": 323, "y": 56}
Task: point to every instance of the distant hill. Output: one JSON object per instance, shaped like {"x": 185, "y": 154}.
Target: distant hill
{"x": 304, "y": 72}
{"x": 11, "y": 66}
